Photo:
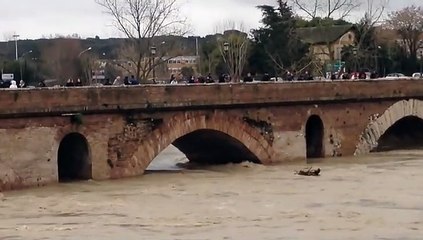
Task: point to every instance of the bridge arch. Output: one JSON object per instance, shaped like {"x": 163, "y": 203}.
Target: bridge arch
{"x": 401, "y": 123}
{"x": 314, "y": 134}
{"x": 73, "y": 160}
{"x": 217, "y": 135}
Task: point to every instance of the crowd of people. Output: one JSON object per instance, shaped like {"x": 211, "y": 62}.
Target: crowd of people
{"x": 125, "y": 81}
{"x": 13, "y": 84}
{"x": 222, "y": 78}
{"x": 72, "y": 83}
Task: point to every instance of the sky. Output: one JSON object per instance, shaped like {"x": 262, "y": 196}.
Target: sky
{"x": 32, "y": 19}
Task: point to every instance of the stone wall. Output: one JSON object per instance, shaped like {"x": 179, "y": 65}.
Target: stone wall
{"x": 161, "y": 97}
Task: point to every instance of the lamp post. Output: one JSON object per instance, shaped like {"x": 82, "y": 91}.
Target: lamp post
{"x": 16, "y": 46}
{"x": 20, "y": 64}
{"x": 377, "y": 59}
{"x": 153, "y": 52}
{"x": 86, "y": 50}
{"x": 226, "y": 47}
{"x": 225, "y": 54}
{"x": 87, "y": 72}
{"x": 355, "y": 58}
{"x": 197, "y": 54}
{"x": 421, "y": 63}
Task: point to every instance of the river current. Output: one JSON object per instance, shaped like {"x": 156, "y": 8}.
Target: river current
{"x": 375, "y": 197}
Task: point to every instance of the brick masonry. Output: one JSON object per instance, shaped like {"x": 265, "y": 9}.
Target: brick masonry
{"x": 126, "y": 132}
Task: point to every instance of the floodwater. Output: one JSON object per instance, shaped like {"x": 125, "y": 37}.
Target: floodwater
{"x": 376, "y": 197}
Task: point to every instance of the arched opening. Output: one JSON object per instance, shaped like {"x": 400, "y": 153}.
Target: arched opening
{"x": 314, "y": 137}
{"x": 74, "y": 158}
{"x": 207, "y": 147}
{"x": 213, "y": 147}
{"x": 406, "y": 133}
{"x": 170, "y": 159}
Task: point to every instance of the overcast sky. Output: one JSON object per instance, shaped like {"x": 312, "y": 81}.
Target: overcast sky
{"x": 37, "y": 18}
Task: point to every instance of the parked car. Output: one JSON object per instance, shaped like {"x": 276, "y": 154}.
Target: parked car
{"x": 5, "y": 83}
{"x": 395, "y": 76}
{"x": 417, "y": 75}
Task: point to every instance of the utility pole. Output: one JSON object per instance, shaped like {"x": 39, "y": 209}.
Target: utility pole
{"x": 16, "y": 46}
{"x": 197, "y": 55}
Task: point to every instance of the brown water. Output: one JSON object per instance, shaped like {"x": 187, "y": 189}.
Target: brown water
{"x": 377, "y": 197}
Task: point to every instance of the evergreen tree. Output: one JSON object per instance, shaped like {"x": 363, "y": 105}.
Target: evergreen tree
{"x": 276, "y": 47}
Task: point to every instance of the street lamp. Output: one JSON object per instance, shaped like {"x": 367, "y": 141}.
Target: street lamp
{"x": 16, "y": 46}
{"x": 86, "y": 50}
{"x": 153, "y": 52}
{"x": 226, "y": 47}
{"x": 355, "y": 51}
{"x": 20, "y": 64}
{"x": 377, "y": 58}
{"x": 225, "y": 55}
{"x": 421, "y": 63}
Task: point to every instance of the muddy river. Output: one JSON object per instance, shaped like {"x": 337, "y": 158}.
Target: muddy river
{"x": 376, "y": 197}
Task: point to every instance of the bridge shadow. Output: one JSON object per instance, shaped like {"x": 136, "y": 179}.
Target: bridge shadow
{"x": 73, "y": 160}
{"x": 405, "y": 134}
{"x": 314, "y": 138}
{"x": 200, "y": 149}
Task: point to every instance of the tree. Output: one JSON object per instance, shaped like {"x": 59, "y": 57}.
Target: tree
{"x": 187, "y": 71}
{"x": 163, "y": 52}
{"x": 210, "y": 55}
{"x": 276, "y": 45}
{"x": 408, "y": 23}
{"x": 323, "y": 9}
{"x": 366, "y": 47}
{"x": 60, "y": 58}
{"x": 142, "y": 21}
{"x": 320, "y": 22}
{"x": 233, "y": 46}
{"x": 88, "y": 63}
{"x": 366, "y": 26}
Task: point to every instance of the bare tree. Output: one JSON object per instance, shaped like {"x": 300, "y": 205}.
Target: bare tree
{"x": 372, "y": 16}
{"x": 60, "y": 58}
{"x": 326, "y": 8}
{"x": 142, "y": 21}
{"x": 164, "y": 51}
{"x": 408, "y": 22}
{"x": 233, "y": 45}
{"x": 88, "y": 63}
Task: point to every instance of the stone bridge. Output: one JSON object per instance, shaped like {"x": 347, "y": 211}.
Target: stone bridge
{"x": 50, "y": 135}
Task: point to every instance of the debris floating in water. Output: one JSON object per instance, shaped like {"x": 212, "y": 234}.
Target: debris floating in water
{"x": 309, "y": 172}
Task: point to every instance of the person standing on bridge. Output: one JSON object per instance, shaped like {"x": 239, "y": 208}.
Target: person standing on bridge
{"x": 248, "y": 78}
{"x": 126, "y": 80}
{"x": 22, "y": 84}
{"x": 134, "y": 81}
{"x": 13, "y": 84}
{"x": 70, "y": 83}
{"x": 42, "y": 84}
{"x": 78, "y": 83}
{"x": 117, "y": 81}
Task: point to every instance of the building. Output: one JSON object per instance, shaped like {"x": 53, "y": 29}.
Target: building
{"x": 326, "y": 43}
{"x": 175, "y": 65}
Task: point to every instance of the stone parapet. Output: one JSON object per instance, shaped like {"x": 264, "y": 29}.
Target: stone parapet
{"x": 152, "y": 97}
